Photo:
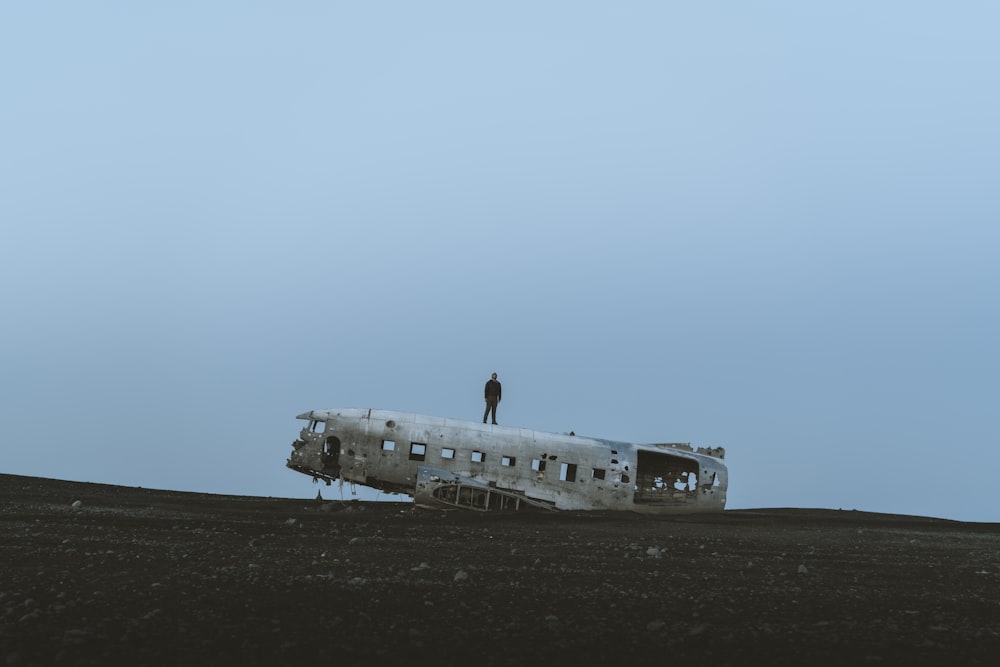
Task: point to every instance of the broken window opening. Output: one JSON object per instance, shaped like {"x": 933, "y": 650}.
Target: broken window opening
{"x": 388, "y": 445}
{"x": 685, "y": 481}
{"x": 447, "y": 453}
{"x": 567, "y": 472}
{"x": 314, "y": 426}
{"x": 538, "y": 465}
{"x": 418, "y": 451}
{"x": 478, "y": 456}
{"x": 508, "y": 461}
{"x": 598, "y": 473}
{"x": 664, "y": 479}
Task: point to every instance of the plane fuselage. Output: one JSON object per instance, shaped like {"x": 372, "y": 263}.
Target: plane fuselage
{"x": 443, "y": 462}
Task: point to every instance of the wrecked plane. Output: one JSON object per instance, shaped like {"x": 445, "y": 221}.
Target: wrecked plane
{"x": 447, "y": 464}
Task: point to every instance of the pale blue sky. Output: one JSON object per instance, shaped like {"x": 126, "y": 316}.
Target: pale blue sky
{"x": 770, "y": 226}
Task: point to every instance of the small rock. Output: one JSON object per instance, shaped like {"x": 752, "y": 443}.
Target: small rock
{"x": 461, "y": 575}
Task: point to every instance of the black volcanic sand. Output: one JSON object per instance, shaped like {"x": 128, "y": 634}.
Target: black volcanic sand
{"x": 96, "y": 574}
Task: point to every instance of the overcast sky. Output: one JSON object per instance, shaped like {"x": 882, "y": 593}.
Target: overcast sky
{"x": 768, "y": 226}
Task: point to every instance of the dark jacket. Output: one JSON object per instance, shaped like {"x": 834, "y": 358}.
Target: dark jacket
{"x": 492, "y": 389}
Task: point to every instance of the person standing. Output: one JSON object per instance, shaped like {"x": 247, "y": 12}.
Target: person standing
{"x": 492, "y": 396}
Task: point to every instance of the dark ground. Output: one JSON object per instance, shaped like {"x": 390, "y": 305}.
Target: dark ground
{"x": 137, "y": 576}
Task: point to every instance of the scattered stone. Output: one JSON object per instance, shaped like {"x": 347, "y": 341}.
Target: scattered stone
{"x": 170, "y": 576}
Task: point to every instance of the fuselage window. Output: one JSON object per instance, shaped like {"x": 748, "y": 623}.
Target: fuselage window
{"x": 538, "y": 465}
{"x": 478, "y": 457}
{"x": 567, "y": 472}
{"x": 447, "y": 453}
{"x": 598, "y": 473}
{"x": 508, "y": 461}
{"x": 317, "y": 426}
{"x": 388, "y": 445}
{"x": 418, "y": 451}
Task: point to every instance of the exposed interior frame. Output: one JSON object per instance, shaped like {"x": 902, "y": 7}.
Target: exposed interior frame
{"x": 664, "y": 479}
